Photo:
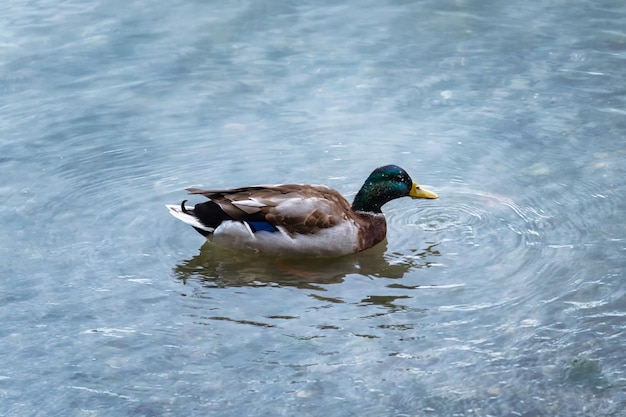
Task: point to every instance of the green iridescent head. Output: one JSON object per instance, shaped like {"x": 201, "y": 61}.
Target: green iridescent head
{"x": 385, "y": 184}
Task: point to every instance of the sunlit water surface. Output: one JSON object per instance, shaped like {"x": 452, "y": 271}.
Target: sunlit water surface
{"x": 505, "y": 297}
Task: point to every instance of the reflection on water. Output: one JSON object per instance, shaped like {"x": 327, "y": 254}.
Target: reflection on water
{"x": 216, "y": 266}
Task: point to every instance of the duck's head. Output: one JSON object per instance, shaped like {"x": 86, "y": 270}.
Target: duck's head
{"x": 385, "y": 184}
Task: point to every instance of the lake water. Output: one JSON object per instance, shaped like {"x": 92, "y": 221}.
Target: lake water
{"x": 505, "y": 297}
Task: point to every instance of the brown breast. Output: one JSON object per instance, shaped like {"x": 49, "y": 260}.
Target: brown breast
{"x": 372, "y": 229}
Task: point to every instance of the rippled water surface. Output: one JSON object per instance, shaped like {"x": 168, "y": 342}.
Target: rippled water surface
{"x": 505, "y": 297}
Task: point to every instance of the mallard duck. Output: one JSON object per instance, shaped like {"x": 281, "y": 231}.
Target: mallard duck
{"x": 299, "y": 219}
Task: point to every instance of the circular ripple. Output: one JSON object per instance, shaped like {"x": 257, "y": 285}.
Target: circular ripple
{"x": 480, "y": 229}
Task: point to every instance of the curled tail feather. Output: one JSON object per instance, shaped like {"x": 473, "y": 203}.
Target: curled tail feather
{"x": 188, "y": 216}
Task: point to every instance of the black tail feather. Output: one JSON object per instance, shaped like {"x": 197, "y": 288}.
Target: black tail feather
{"x": 210, "y": 214}
{"x": 184, "y": 209}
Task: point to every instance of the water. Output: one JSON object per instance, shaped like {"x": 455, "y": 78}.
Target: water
{"x": 504, "y": 297}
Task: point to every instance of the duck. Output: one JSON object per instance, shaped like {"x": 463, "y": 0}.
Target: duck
{"x": 299, "y": 220}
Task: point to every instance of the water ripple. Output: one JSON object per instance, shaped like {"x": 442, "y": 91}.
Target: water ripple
{"x": 486, "y": 229}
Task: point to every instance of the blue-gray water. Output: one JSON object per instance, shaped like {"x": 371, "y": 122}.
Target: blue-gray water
{"x": 505, "y": 297}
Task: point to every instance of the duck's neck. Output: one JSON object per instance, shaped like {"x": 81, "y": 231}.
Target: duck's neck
{"x": 364, "y": 201}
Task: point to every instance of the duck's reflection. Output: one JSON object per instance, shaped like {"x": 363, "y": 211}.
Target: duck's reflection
{"x": 216, "y": 266}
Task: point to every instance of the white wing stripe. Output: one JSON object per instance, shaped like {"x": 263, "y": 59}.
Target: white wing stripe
{"x": 249, "y": 203}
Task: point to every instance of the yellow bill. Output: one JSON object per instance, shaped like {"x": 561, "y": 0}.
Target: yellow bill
{"x": 418, "y": 192}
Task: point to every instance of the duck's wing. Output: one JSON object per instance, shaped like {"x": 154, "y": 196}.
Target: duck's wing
{"x": 294, "y": 208}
